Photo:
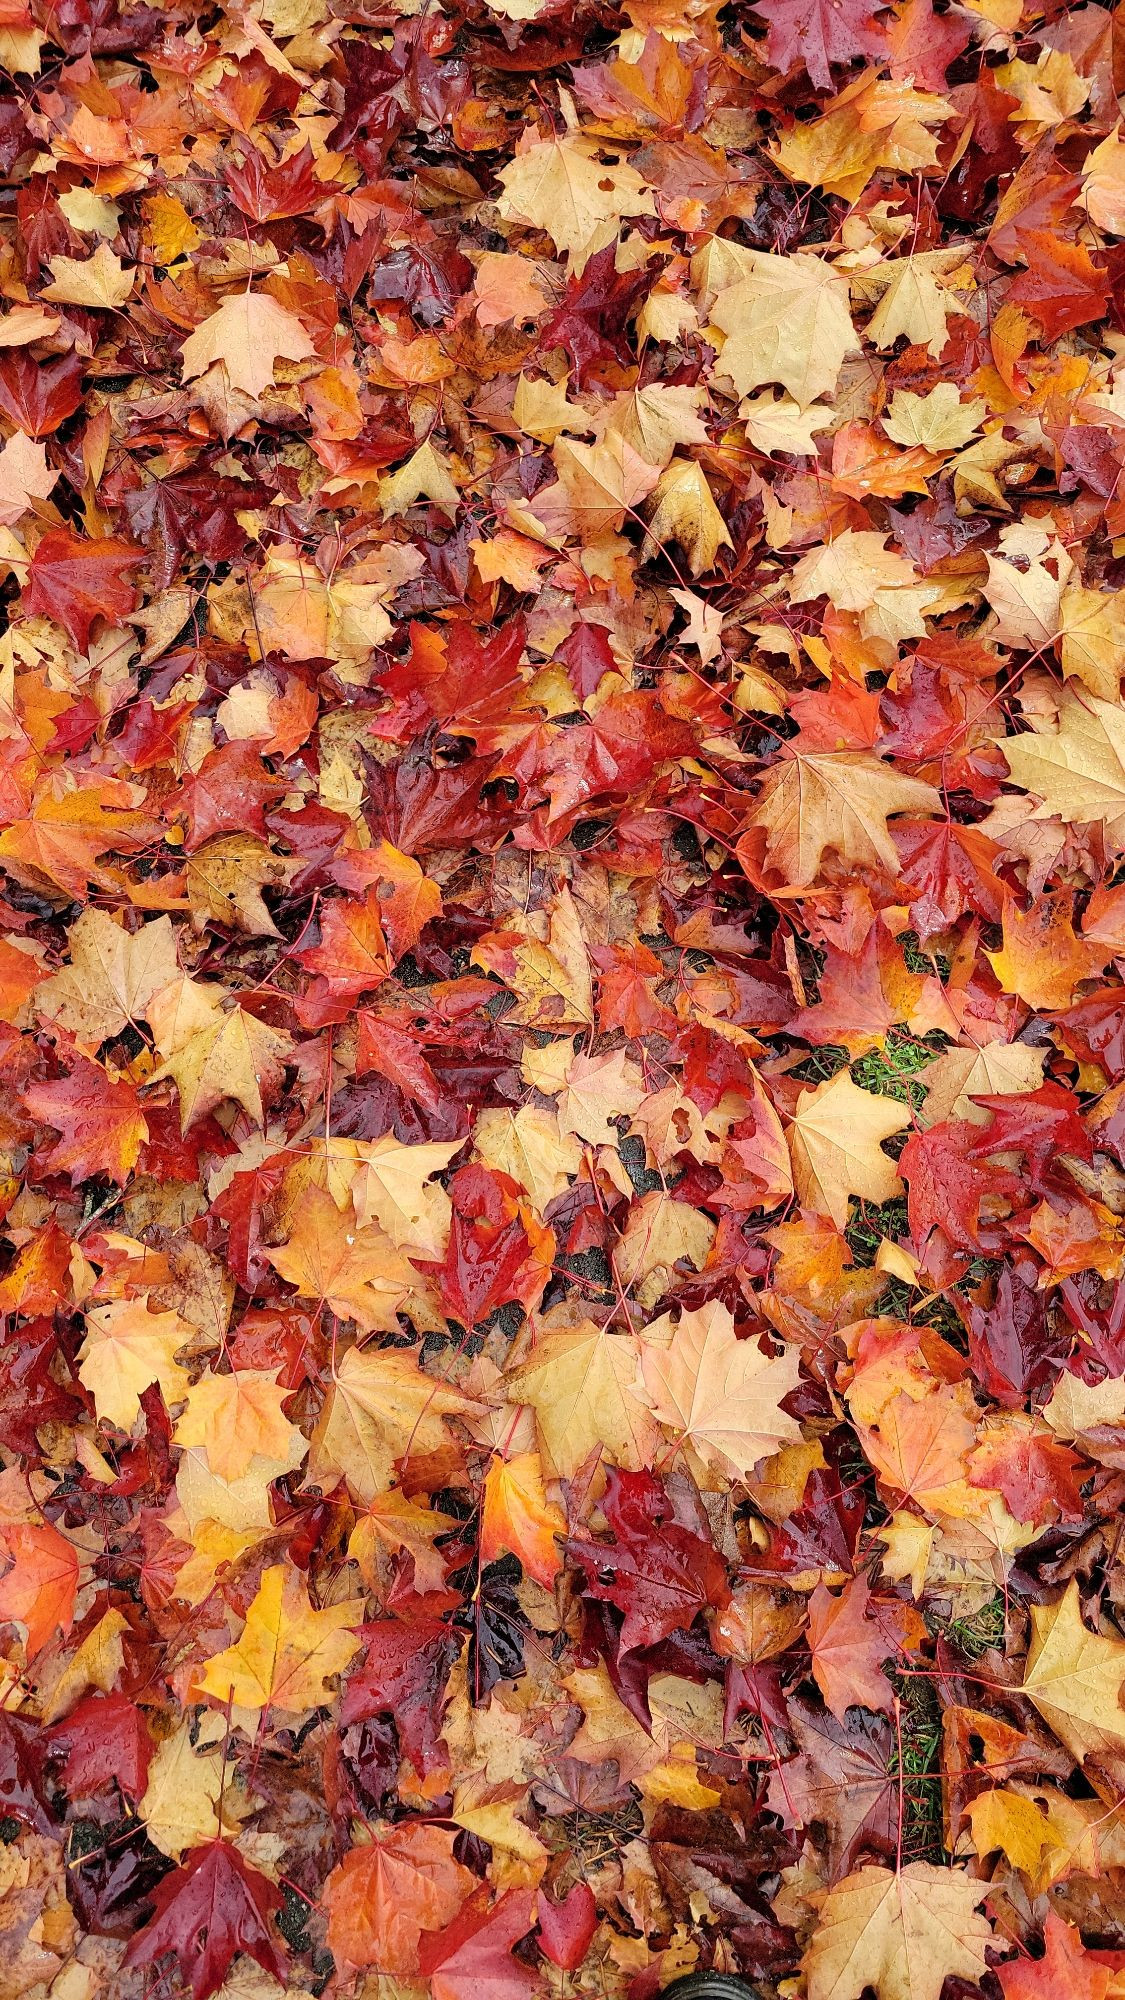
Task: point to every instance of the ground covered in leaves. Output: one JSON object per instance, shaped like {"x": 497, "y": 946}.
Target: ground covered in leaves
{"x": 562, "y": 1025}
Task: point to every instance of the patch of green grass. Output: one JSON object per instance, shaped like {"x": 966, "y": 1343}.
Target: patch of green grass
{"x": 821, "y": 1065}
{"x": 868, "y": 1226}
{"x": 920, "y": 1736}
{"x": 981, "y": 1632}
{"x": 892, "y": 1070}
{"x": 917, "y": 959}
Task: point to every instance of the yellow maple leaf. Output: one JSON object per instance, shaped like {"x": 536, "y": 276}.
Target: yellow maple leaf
{"x": 1074, "y": 1678}
{"x": 394, "y": 1186}
{"x": 581, "y": 1382}
{"x": 99, "y": 281}
{"x": 287, "y": 1652}
{"x": 835, "y": 801}
{"x": 566, "y": 187}
{"x": 214, "y": 1054}
{"x": 126, "y": 1350}
{"x": 901, "y": 1932}
{"x": 719, "y": 1394}
{"x": 1076, "y": 769}
{"x": 684, "y": 511}
{"x": 380, "y": 1407}
{"x": 835, "y": 1143}
{"x": 112, "y": 976}
{"x": 786, "y": 321}
{"x": 247, "y": 335}
{"x": 358, "y": 1272}
{"x": 238, "y": 1417}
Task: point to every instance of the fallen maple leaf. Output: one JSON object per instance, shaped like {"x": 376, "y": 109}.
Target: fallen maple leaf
{"x": 383, "y": 1897}
{"x": 208, "y": 1911}
{"x": 287, "y": 1652}
{"x": 247, "y": 335}
{"x": 835, "y": 1142}
{"x": 900, "y": 1933}
{"x": 721, "y": 1395}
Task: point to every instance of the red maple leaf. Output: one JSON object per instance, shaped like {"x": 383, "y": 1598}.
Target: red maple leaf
{"x": 206, "y": 1913}
{"x": 75, "y": 581}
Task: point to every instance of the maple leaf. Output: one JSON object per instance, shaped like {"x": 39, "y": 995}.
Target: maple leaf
{"x": 1066, "y": 1968}
{"x": 40, "y": 1587}
{"x": 25, "y": 477}
{"x": 840, "y": 1780}
{"x": 564, "y": 187}
{"x": 247, "y": 335}
{"x": 1076, "y": 770}
{"x": 684, "y": 511}
{"x": 835, "y": 1142}
{"x": 786, "y": 321}
{"x": 475, "y": 1950}
{"x": 900, "y": 1933}
{"x": 207, "y": 1912}
{"x": 658, "y": 1574}
{"x": 817, "y": 801}
{"x": 126, "y": 1350}
{"x": 212, "y": 1054}
{"x": 720, "y": 1394}
{"x": 518, "y": 1518}
{"x": 188, "y": 1798}
{"x": 1074, "y": 1678}
{"x": 380, "y": 1406}
{"x": 382, "y": 1897}
{"x": 99, "y": 1119}
{"x": 848, "y": 1647}
{"x": 111, "y": 977}
{"x": 358, "y": 1272}
{"x": 75, "y": 581}
{"x": 237, "y": 1418}
{"x": 99, "y": 280}
{"x": 288, "y": 1651}
{"x": 581, "y": 1383}
{"x": 818, "y": 35}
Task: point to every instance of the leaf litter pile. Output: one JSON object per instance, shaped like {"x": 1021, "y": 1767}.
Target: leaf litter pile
{"x": 562, "y": 999}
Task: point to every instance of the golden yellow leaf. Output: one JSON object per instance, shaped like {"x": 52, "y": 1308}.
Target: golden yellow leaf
{"x": 1092, "y": 624}
{"x": 425, "y": 476}
{"x": 247, "y": 334}
{"x": 835, "y": 1143}
{"x": 357, "y": 1271}
{"x": 126, "y": 1350}
{"x": 169, "y": 229}
{"x": 937, "y": 421}
{"x": 180, "y": 1807}
{"x": 720, "y": 1395}
{"x": 287, "y": 1652}
{"x": 225, "y": 879}
{"x": 684, "y": 511}
{"x": 1076, "y": 769}
{"x": 529, "y": 1145}
{"x": 565, "y": 187}
{"x": 380, "y": 1406}
{"x": 1074, "y": 1676}
{"x": 581, "y": 1382}
{"x": 903, "y": 1934}
{"x": 98, "y": 281}
{"x": 111, "y": 978}
{"x": 236, "y": 1418}
{"x": 1046, "y": 1834}
{"x": 394, "y": 1186}
{"x": 214, "y": 1054}
{"x": 786, "y": 321}
{"x": 835, "y": 801}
